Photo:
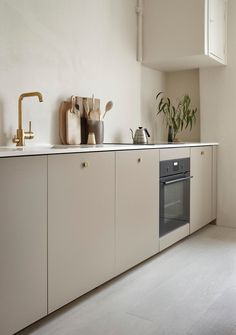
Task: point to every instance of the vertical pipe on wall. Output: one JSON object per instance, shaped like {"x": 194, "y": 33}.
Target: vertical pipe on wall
{"x": 139, "y": 11}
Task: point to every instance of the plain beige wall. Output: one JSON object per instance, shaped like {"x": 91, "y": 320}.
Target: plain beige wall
{"x": 174, "y": 85}
{"x": 180, "y": 83}
{"x": 218, "y": 120}
{"x": 65, "y": 47}
{"x": 152, "y": 83}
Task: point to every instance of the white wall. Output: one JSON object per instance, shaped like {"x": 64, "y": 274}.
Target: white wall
{"x": 152, "y": 83}
{"x": 65, "y": 47}
{"x": 218, "y": 120}
{"x": 174, "y": 85}
{"x": 185, "y": 82}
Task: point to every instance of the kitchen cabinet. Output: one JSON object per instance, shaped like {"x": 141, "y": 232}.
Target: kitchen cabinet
{"x": 137, "y": 207}
{"x": 216, "y": 21}
{"x": 214, "y": 184}
{"x": 201, "y": 192}
{"x": 81, "y": 226}
{"x": 70, "y": 222}
{"x": 23, "y": 242}
{"x": 176, "y": 153}
{"x": 184, "y": 34}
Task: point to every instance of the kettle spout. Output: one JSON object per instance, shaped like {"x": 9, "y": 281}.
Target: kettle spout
{"x": 132, "y": 133}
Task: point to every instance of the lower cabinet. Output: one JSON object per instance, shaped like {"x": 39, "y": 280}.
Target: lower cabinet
{"x": 202, "y": 188}
{"x": 81, "y": 227}
{"x": 137, "y": 207}
{"x": 23, "y": 242}
{"x": 71, "y": 222}
{"x": 214, "y": 183}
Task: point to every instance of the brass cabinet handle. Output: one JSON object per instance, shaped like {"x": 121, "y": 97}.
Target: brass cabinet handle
{"x": 139, "y": 160}
{"x": 202, "y": 152}
{"x": 85, "y": 164}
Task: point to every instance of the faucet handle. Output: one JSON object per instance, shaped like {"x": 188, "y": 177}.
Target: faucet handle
{"x": 15, "y": 139}
{"x": 29, "y": 134}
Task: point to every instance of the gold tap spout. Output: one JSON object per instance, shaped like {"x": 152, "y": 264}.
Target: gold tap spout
{"x": 21, "y": 135}
{"x": 21, "y": 97}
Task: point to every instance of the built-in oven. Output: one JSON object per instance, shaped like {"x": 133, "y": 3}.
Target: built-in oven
{"x": 174, "y": 194}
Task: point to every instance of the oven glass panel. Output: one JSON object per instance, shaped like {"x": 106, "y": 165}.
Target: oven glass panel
{"x": 174, "y": 201}
{"x": 174, "y": 206}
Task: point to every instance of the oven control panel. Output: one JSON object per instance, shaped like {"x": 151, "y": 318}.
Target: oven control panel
{"x": 174, "y": 166}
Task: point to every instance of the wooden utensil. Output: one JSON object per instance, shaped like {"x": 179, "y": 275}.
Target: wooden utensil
{"x": 108, "y": 107}
{"x": 86, "y": 107}
{"x": 94, "y": 113}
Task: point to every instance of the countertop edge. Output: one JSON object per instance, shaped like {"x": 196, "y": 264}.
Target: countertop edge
{"x": 62, "y": 149}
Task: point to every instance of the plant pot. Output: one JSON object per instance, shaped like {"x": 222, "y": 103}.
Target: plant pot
{"x": 170, "y": 134}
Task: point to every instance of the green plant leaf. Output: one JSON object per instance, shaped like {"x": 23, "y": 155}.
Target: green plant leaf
{"x": 177, "y": 117}
{"x": 159, "y": 95}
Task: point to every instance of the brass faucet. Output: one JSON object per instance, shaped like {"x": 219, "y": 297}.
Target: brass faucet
{"x": 21, "y": 134}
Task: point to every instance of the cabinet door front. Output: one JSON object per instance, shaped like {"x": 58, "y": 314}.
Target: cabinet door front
{"x": 81, "y": 232}
{"x": 201, "y": 188}
{"x": 137, "y": 207}
{"x": 217, "y": 28}
{"x": 23, "y": 242}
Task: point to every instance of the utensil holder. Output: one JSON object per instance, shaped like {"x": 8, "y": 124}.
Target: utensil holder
{"x": 96, "y": 127}
{"x": 91, "y": 139}
{"x": 84, "y": 130}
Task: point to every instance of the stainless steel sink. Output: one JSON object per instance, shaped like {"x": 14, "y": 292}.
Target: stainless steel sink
{"x": 68, "y": 146}
{"x": 3, "y": 149}
{"x": 25, "y": 148}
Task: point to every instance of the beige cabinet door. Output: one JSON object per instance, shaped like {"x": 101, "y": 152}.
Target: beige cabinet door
{"x": 197, "y": 27}
{"x": 81, "y": 229}
{"x": 201, "y": 187}
{"x": 214, "y": 183}
{"x": 137, "y": 207}
{"x": 23, "y": 242}
{"x": 217, "y": 28}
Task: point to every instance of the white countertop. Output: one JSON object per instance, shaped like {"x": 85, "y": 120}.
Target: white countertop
{"x": 65, "y": 149}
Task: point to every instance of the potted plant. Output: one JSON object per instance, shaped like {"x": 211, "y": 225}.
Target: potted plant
{"x": 176, "y": 118}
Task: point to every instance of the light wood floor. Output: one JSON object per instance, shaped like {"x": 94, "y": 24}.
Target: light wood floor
{"x": 188, "y": 289}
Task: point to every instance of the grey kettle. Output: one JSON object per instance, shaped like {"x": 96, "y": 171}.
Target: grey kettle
{"x": 141, "y": 135}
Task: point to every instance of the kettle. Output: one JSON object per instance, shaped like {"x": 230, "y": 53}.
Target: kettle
{"x": 141, "y": 135}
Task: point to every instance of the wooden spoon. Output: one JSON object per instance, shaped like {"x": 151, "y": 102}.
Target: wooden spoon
{"x": 108, "y": 107}
{"x": 94, "y": 113}
{"x": 86, "y": 107}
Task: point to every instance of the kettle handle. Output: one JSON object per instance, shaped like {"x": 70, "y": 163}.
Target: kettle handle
{"x": 147, "y": 132}
{"x": 132, "y": 133}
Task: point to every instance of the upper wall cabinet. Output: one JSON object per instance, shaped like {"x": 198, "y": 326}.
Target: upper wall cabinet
{"x": 184, "y": 34}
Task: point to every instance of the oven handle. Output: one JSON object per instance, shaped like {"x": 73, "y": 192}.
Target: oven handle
{"x": 176, "y": 180}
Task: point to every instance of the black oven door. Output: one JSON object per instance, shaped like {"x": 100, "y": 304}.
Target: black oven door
{"x": 174, "y": 202}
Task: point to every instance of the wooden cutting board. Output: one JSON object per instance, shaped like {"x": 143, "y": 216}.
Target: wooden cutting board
{"x": 73, "y": 126}
{"x": 64, "y": 107}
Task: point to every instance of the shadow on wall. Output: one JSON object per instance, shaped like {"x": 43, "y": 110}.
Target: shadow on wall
{"x": 54, "y": 131}
{"x": 3, "y": 135}
{"x": 117, "y": 137}
{"x": 1, "y": 123}
{"x": 151, "y": 120}
{"x": 6, "y": 135}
